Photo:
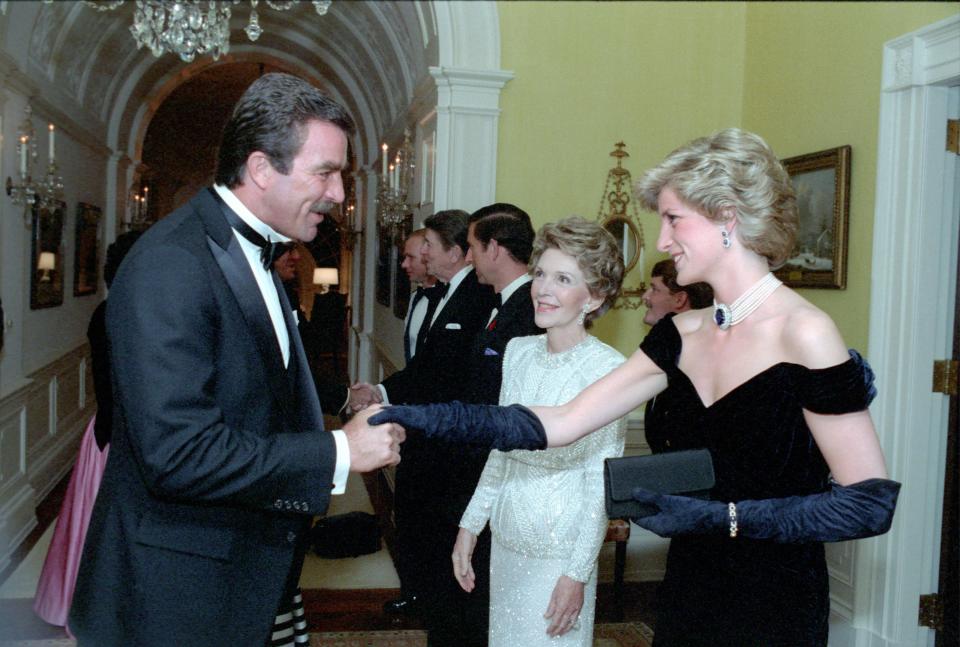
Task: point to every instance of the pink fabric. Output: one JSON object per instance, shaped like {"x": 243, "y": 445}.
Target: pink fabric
{"x": 59, "y": 574}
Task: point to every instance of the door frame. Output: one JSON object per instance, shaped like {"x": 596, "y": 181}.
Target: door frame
{"x": 914, "y": 288}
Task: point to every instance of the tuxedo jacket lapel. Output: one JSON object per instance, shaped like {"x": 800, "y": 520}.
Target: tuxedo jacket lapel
{"x": 236, "y": 272}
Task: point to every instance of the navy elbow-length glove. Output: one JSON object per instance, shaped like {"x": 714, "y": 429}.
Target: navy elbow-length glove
{"x": 483, "y": 425}
{"x": 863, "y": 509}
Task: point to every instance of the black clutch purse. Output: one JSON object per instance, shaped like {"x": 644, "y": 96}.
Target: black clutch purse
{"x": 687, "y": 473}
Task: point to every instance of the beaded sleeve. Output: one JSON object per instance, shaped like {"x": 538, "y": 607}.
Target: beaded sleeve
{"x": 477, "y": 514}
{"x": 604, "y": 443}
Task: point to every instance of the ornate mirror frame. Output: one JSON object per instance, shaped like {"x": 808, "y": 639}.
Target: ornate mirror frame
{"x": 619, "y": 209}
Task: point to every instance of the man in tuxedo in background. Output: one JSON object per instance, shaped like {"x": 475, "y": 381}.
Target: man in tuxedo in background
{"x": 219, "y": 457}
{"x": 435, "y": 374}
{"x": 423, "y": 302}
{"x": 665, "y": 295}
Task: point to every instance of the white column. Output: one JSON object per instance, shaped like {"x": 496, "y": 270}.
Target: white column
{"x": 468, "y": 115}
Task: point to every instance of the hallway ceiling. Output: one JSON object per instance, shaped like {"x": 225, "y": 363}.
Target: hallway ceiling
{"x": 370, "y": 56}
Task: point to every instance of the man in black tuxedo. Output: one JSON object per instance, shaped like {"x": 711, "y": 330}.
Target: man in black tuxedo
{"x": 219, "y": 458}
{"x": 500, "y": 237}
{"x": 434, "y": 374}
{"x": 423, "y": 301}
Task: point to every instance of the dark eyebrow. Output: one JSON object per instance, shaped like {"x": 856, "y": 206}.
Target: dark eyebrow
{"x": 328, "y": 166}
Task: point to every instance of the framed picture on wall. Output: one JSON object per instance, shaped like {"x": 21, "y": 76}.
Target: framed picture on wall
{"x": 401, "y": 282}
{"x": 822, "y": 183}
{"x": 46, "y": 257}
{"x": 86, "y": 262}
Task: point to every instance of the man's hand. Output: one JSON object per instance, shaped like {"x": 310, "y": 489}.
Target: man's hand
{"x": 362, "y": 395}
{"x": 375, "y": 446}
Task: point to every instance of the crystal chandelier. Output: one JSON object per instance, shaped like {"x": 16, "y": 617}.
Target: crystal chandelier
{"x": 189, "y": 28}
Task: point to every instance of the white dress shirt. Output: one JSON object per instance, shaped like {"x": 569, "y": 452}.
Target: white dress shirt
{"x": 507, "y": 292}
{"x": 454, "y": 284}
{"x": 272, "y": 300}
{"x": 416, "y": 316}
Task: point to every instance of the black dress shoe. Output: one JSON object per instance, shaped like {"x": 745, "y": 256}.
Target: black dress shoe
{"x": 408, "y": 605}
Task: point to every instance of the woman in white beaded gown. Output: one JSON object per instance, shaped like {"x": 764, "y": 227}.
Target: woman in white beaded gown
{"x": 545, "y": 508}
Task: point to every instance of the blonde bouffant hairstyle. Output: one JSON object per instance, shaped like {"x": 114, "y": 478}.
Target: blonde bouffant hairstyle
{"x": 596, "y": 252}
{"x": 731, "y": 174}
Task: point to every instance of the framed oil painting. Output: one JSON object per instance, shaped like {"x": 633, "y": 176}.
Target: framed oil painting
{"x": 86, "y": 262}
{"x": 822, "y": 183}
{"x": 46, "y": 257}
{"x": 401, "y": 282}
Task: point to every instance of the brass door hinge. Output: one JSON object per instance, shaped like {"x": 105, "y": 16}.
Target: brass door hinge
{"x": 931, "y": 612}
{"x": 953, "y": 136}
{"x": 945, "y": 376}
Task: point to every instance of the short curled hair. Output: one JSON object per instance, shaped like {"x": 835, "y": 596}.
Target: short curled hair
{"x": 596, "y": 252}
{"x": 732, "y": 173}
{"x": 272, "y": 117}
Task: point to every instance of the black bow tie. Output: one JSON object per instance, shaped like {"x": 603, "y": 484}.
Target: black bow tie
{"x": 499, "y": 300}
{"x": 270, "y": 251}
{"x": 442, "y": 289}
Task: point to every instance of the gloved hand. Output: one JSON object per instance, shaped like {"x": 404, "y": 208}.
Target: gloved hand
{"x": 863, "y": 509}
{"x": 484, "y": 425}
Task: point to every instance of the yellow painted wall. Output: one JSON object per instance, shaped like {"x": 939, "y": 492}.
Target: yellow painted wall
{"x": 812, "y": 82}
{"x": 806, "y": 76}
{"x": 590, "y": 74}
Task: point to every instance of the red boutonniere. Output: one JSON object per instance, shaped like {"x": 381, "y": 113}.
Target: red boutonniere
{"x": 492, "y": 324}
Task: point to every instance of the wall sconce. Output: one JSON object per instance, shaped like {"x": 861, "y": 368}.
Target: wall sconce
{"x": 396, "y": 179}
{"x": 325, "y": 277}
{"x": 26, "y": 191}
{"x": 46, "y": 264}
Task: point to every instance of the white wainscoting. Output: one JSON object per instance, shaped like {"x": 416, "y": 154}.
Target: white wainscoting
{"x": 41, "y": 425}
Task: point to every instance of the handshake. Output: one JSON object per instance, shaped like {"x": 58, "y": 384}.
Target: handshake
{"x": 363, "y": 395}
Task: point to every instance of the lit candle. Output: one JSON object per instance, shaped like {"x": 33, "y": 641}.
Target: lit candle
{"x": 392, "y": 177}
{"x": 52, "y": 147}
{"x": 23, "y": 155}
{"x": 383, "y": 172}
{"x": 146, "y": 193}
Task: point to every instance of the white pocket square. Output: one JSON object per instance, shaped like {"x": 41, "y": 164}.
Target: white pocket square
{"x": 452, "y": 326}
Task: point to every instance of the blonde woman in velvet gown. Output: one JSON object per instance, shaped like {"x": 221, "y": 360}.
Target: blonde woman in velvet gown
{"x": 545, "y": 508}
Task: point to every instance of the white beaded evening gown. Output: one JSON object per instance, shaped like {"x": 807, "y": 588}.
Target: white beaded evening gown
{"x": 545, "y": 508}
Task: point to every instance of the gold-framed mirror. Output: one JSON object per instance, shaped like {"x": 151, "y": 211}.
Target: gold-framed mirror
{"x": 618, "y": 215}
{"x": 628, "y": 238}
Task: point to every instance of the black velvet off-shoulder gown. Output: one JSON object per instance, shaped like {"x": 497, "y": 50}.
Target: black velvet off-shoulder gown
{"x": 742, "y": 592}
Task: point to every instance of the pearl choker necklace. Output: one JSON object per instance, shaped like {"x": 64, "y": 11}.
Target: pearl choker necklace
{"x": 746, "y": 303}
